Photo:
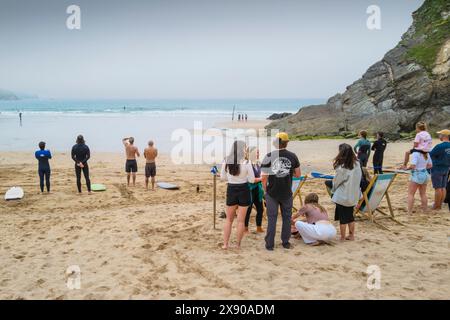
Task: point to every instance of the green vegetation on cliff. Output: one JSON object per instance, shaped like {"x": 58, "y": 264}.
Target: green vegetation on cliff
{"x": 431, "y": 21}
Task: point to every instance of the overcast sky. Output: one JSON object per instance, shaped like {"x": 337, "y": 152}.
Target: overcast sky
{"x": 194, "y": 48}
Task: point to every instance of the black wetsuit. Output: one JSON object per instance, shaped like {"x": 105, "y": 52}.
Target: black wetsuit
{"x": 378, "y": 146}
{"x": 81, "y": 153}
{"x": 43, "y": 168}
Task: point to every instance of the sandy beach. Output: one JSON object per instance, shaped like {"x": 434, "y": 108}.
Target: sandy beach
{"x": 130, "y": 243}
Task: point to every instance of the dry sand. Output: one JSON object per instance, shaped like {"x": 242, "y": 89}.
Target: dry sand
{"x": 132, "y": 244}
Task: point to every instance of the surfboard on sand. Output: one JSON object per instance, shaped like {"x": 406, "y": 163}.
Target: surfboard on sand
{"x": 319, "y": 175}
{"x": 96, "y": 187}
{"x": 168, "y": 186}
{"x": 14, "y": 193}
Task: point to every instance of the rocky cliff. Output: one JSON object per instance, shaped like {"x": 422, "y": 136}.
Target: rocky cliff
{"x": 409, "y": 84}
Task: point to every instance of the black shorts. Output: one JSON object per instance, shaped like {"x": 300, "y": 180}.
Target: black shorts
{"x": 238, "y": 194}
{"x": 343, "y": 214}
{"x": 150, "y": 170}
{"x": 131, "y": 166}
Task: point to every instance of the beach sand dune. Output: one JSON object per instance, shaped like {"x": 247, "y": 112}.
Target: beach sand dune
{"x": 131, "y": 244}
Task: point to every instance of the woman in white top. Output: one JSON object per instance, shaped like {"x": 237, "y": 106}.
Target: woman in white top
{"x": 418, "y": 179}
{"x": 238, "y": 172}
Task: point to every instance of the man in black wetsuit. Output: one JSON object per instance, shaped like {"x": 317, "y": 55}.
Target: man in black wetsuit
{"x": 81, "y": 154}
{"x": 379, "y": 146}
{"x": 43, "y": 156}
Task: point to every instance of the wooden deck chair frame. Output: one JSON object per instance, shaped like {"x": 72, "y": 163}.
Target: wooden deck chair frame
{"x": 298, "y": 191}
{"x": 369, "y": 212}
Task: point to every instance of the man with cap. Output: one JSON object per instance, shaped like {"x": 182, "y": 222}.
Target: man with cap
{"x": 440, "y": 156}
{"x": 278, "y": 168}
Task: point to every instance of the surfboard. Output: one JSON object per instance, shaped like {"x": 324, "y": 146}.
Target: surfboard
{"x": 14, "y": 193}
{"x": 319, "y": 175}
{"x": 168, "y": 186}
{"x": 98, "y": 187}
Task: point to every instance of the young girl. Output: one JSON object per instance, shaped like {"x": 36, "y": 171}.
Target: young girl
{"x": 238, "y": 172}
{"x": 256, "y": 191}
{"x": 346, "y": 189}
{"x": 317, "y": 228}
{"x": 419, "y": 177}
{"x": 423, "y": 143}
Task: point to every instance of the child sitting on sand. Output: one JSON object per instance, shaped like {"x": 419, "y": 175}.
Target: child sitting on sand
{"x": 423, "y": 143}
{"x": 317, "y": 228}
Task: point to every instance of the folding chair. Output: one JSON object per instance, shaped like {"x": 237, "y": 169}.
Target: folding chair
{"x": 377, "y": 190}
{"x": 297, "y": 184}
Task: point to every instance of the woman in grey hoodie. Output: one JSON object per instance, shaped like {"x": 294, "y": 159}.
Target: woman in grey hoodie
{"x": 346, "y": 189}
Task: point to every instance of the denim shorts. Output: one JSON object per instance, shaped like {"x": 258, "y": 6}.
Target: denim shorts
{"x": 439, "y": 180}
{"x": 419, "y": 176}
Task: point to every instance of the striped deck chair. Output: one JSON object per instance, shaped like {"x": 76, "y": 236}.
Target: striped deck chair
{"x": 377, "y": 190}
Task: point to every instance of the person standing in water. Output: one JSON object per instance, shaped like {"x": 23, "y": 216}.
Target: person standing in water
{"x": 20, "y": 118}
{"x": 131, "y": 152}
{"x": 150, "y": 154}
{"x": 81, "y": 154}
{"x": 43, "y": 156}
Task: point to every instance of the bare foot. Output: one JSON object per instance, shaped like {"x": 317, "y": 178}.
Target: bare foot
{"x": 342, "y": 239}
{"x": 350, "y": 238}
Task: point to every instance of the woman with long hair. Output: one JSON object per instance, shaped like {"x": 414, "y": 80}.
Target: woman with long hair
{"x": 238, "y": 172}
{"x": 256, "y": 191}
{"x": 346, "y": 189}
{"x": 420, "y": 163}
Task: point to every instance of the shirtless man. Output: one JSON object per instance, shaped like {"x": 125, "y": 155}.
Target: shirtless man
{"x": 150, "y": 154}
{"x": 131, "y": 152}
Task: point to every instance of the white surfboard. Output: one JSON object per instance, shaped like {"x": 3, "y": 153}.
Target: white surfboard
{"x": 15, "y": 193}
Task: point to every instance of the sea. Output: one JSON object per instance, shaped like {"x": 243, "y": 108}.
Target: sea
{"x": 105, "y": 122}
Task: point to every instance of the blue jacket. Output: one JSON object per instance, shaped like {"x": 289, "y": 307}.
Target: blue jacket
{"x": 42, "y": 156}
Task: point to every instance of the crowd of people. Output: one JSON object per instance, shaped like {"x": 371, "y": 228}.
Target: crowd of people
{"x": 81, "y": 153}
{"x": 250, "y": 182}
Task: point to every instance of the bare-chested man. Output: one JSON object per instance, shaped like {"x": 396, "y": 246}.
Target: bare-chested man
{"x": 150, "y": 154}
{"x": 131, "y": 152}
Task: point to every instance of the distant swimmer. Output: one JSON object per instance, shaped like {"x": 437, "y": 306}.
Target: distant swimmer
{"x": 150, "y": 154}
{"x": 81, "y": 154}
{"x": 20, "y": 118}
{"x": 43, "y": 156}
{"x": 131, "y": 152}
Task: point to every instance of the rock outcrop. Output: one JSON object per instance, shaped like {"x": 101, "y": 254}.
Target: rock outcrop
{"x": 277, "y": 116}
{"x": 409, "y": 84}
